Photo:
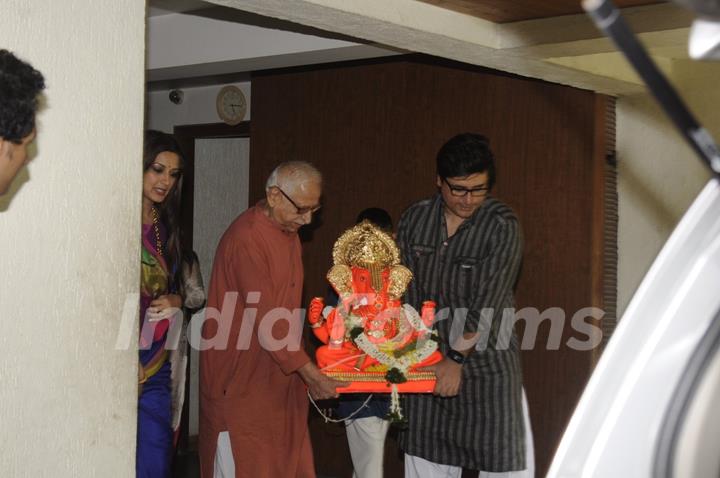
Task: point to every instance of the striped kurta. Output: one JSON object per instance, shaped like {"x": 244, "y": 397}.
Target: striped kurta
{"x": 475, "y": 269}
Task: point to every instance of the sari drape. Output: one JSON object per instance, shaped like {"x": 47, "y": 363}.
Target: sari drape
{"x": 154, "y": 431}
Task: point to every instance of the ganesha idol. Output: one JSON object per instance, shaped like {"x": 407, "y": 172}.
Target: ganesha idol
{"x": 371, "y": 339}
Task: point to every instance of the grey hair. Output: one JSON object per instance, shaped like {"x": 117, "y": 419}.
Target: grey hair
{"x": 292, "y": 174}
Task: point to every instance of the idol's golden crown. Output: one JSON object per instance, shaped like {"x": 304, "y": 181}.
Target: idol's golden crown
{"x": 366, "y": 246}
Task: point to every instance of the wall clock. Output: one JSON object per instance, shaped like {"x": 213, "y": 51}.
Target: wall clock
{"x": 231, "y": 105}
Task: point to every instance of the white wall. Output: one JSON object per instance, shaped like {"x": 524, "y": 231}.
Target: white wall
{"x": 659, "y": 175}
{"x": 198, "y": 107}
{"x": 188, "y": 39}
{"x": 70, "y": 233}
{"x": 209, "y": 43}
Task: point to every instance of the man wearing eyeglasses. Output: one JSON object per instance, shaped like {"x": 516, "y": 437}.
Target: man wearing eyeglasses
{"x": 464, "y": 248}
{"x": 254, "y": 384}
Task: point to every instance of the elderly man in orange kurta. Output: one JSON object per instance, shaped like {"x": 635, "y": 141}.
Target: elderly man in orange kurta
{"x": 254, "y": 373}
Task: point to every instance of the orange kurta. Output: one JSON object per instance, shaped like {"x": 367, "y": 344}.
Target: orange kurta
{"x": 249, "y": 388}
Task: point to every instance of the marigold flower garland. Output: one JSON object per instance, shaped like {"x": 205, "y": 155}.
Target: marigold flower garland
{"x": 397, "y": 364}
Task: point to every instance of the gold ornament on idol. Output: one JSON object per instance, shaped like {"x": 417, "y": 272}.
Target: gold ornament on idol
{"x": 366, "y": 246}
{"x": 156, "y": 227}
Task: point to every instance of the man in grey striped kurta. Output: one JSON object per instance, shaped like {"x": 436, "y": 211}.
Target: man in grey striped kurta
{"x": 464, "y": 249}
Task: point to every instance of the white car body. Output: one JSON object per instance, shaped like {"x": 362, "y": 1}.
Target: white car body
{"x": 635, "y": 391}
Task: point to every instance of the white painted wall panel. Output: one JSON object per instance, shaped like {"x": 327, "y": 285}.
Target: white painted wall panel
{"x": 70, "y": 230}
{"x": 658, "y": 178}
{"x": 190, "y": 38}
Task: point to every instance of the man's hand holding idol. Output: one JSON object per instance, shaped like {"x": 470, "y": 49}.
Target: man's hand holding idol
{"x": 320, "y": 386}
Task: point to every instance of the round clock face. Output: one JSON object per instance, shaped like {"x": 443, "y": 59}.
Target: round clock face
{"x": 231, "y": 105}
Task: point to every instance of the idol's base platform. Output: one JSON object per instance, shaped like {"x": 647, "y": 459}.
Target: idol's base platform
{"x": 374, "y": 382}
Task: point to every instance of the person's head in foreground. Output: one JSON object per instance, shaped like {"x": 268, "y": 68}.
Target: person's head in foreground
{"x": 20, "y": 85}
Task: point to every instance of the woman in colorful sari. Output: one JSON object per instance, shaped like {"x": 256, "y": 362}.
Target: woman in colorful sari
{"x": 160, "y": 301}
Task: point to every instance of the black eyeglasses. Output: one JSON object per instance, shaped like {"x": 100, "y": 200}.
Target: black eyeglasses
{"x": 459, "y": 191}
{"x": 300, "y": 210}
